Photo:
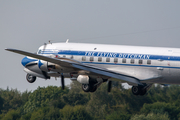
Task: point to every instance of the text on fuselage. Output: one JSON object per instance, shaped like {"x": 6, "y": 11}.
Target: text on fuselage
{"x": 118, "y": 55}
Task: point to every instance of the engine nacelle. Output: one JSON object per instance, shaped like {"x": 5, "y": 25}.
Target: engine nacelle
{"x": 34, "y": 73}
{"x": 48, "y": 66}
{"x": 43, "y": 65}
{"x": 83, "y": 79}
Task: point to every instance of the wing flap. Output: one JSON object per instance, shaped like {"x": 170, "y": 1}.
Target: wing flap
{"x": 108, "y": 73}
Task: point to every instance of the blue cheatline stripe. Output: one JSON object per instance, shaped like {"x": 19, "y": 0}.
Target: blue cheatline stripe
{"x": 131, "y": 65}
{"x": 114, "y": 55}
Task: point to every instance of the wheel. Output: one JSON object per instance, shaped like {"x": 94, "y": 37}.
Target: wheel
{"x": 142, "y": 92}
{"x": 30, "y": 78}
{"x": 138, "y": 90}
{"x": 93, "y": 89}
{"x": 135, "y": 90}
{"x": 86, "y": 87}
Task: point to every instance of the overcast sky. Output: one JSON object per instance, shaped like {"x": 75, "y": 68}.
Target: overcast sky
{"x": 29, "y": 24}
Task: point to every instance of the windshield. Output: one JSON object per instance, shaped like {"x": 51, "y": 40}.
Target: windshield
{"x": 39, "y": 51}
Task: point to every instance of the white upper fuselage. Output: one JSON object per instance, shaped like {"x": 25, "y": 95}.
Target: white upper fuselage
{"x": 141, "y": 62}
{"x": 112, "y": 48}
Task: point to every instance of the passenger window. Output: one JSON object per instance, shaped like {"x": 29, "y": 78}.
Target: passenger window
{"x": 140, "y": 61}
{"x": 64, "y": 56}
{"x": 83, "y": 58}
{"x": 123, "y": 60}
{"x": 107, "y": 59}
{"x": 115, "y": 60}
{"x": 71, "y": 56}
{"x": 99, "y": 59}
{"x": 148, "y": 62}
{"x": 91, "y": 59}
{"x": 132, "y": 61}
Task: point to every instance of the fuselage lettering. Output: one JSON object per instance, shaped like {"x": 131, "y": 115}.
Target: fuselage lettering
{"x": 118, "y": 55}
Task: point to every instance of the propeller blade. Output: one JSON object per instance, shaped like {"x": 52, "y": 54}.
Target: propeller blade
{"x": 109, "y": 86}
{"x": 62, "y": 82}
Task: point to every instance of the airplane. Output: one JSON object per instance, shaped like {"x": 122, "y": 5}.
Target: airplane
{"x": 93, "y": 64}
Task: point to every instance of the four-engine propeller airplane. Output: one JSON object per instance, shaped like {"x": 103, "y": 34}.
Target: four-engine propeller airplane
{"x": 93, "y": 64}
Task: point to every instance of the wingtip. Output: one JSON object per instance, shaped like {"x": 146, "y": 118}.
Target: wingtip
{"x": 6, "y": 49}
{"x": 9, "y": 49}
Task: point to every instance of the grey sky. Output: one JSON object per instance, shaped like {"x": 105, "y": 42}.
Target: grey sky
{"x": 27, "y": 25}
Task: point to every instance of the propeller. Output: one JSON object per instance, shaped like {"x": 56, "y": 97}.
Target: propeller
{"x": 109, "y": 86}
{"x": 62, "y": 81}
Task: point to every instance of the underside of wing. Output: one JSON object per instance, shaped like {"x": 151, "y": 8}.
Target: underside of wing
{"x": 65, "y": 62}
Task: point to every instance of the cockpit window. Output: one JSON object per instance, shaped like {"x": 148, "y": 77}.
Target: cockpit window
{"x": 39, "y": 52}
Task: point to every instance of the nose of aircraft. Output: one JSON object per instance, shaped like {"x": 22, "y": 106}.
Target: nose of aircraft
{"x": 27, "y": 60}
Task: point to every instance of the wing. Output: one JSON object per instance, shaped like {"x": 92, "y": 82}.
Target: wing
{"x": 65, "y": 62}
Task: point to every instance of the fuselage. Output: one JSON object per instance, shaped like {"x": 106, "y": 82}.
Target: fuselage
{"x": 140, "y": 62}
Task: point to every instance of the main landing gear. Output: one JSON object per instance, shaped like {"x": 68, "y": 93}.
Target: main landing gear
{"x": 89, "y": 87}
{"x": 30, "y": 78}
{"x": 140, "y": 90}
{"x": 92, "y": 87}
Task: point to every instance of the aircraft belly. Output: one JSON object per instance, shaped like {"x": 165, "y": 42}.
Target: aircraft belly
{"x": 164, "y": 76}
{"x": 171, "y": 76}
{"x": 168, "y": 76}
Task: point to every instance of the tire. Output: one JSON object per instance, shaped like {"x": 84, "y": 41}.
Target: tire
{"x": 143, "y": 92}
{"x": 30, "y": 78}
{"x": 136, "y": 90}
{"x": 86, "y": 87}
{"x": 93, "y": 89}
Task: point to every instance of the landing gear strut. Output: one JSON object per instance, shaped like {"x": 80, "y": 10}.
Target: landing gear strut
{"x": 109, "y": 86}
{"x": 30, "y": 78}
{"x": 62, "y": 81}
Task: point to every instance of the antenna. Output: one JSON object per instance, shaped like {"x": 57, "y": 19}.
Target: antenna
{"x": 50, "y": 41}
{"x": 67, "y": 40}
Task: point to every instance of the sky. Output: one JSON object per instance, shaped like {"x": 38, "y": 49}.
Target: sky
{"x": 27, "y": 25}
